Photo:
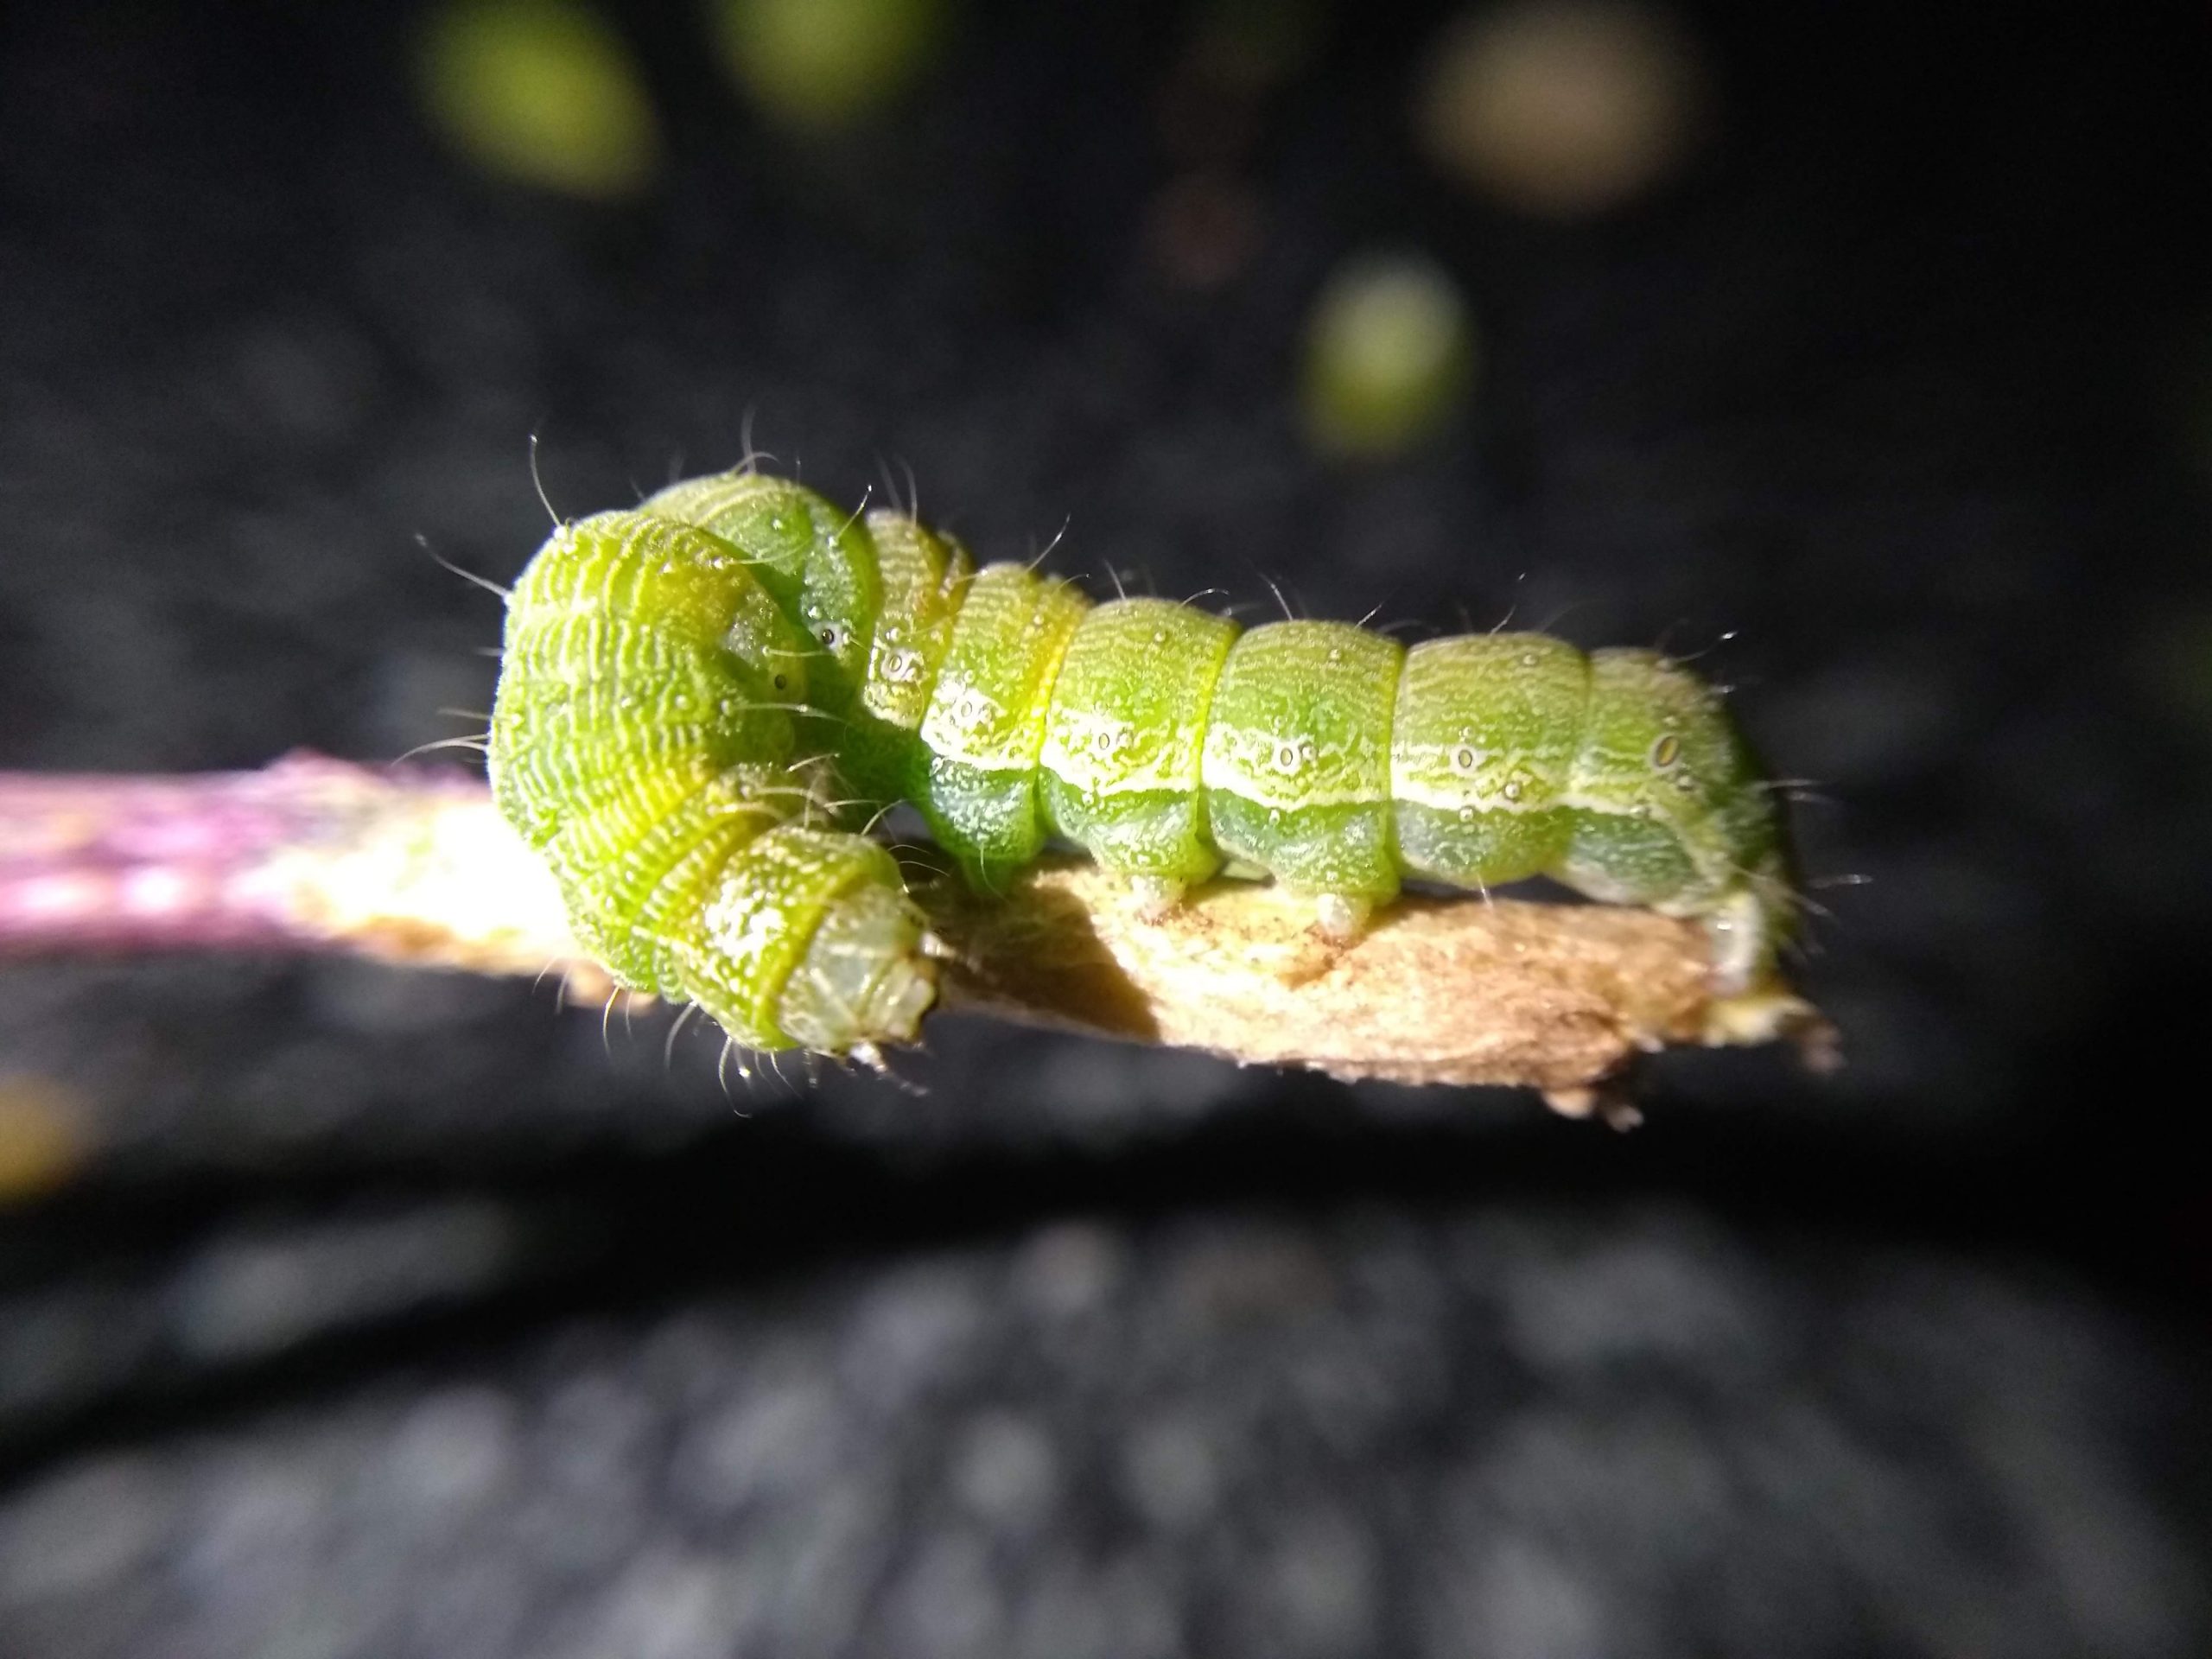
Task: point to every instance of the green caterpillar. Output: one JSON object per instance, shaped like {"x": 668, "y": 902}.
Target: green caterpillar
{"x": 704, "y": 701}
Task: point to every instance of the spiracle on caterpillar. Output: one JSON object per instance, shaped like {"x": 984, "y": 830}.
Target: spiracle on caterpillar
{"x": 706, "y": 701}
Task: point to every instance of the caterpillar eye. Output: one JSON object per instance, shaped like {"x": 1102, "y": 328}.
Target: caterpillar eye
{"x": 829, "y": 637}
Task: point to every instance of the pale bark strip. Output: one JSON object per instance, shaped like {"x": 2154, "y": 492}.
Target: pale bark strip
{"x": 409, "y": 864}
{"x": 413, "y": 865}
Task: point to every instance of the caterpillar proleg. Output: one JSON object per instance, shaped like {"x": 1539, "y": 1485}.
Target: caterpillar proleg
{"x": 705, "y": 700}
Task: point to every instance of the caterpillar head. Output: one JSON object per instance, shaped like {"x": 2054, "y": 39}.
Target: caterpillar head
{"x": 810, "y": 941}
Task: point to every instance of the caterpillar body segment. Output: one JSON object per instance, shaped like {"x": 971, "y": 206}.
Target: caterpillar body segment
{"x": 985, "y": 726}
{"x": 817, "y": 564}
{"x": 703, "y": 701}
{"x": 1298, "y": 762}
{"x": 925, "y": 581}
{"x": 1122, "y": 768}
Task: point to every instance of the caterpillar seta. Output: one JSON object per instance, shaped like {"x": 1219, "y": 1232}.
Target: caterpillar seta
{"x": 704, "y": 701}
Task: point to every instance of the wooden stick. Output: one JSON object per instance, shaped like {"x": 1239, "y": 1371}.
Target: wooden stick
{"x": 414, "y": 865}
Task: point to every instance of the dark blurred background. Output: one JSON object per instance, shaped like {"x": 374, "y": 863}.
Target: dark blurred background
{"x": 1865, "y": 351}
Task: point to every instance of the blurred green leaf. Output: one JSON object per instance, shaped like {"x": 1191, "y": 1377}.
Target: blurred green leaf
{"x": 1390, "y": 349}
{"x": 543, "y": 92}
{"x": 822, "y": 65}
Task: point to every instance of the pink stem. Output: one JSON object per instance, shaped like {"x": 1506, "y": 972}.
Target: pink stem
{"x": 277, "y": 859}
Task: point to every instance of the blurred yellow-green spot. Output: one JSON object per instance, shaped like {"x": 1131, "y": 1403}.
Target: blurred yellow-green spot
{"x": 823, "y": 65}
{"x": 40, "y": 1144}
{"x": 1389, "y": 350}
{"x": 542, "y": 91}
